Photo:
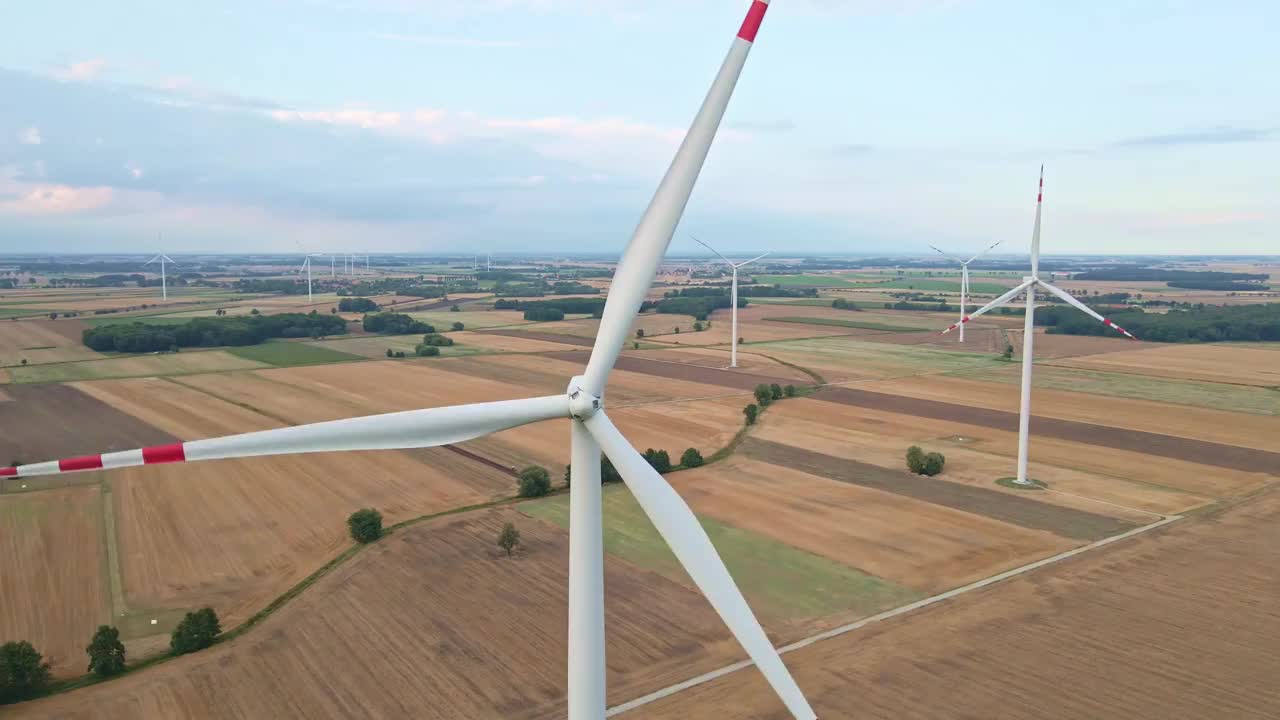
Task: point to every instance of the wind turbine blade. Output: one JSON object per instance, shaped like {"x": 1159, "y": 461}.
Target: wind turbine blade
{"x": 680, "y": 529}
{"x": 949, "y": 256}
{"x": 151, "y": 260}
{"x": 990, "y": 247}
{"x": 390, "y": 431}
{"x": 748, "y": 262}
{"x": 717, "y": 252}
{"x": 1066, "y": 297}
{"x": 653, "y": 234}
{"x": 992, "y": 305}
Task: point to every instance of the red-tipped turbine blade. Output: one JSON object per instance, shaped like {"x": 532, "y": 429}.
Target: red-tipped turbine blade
{"x": 991, "y": 305}
{"x": 1066, "y": 297}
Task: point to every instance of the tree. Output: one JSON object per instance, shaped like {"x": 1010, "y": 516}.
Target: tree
{"x": 254, "y": 312}
{"x": 455, "y": 308}
{"x": 789, "y": 391}
{"x": 608, "y": 473}
{"x": 535, "y": 481}
{"x": 691, "y": 458}
{"x": 458, "y": 326}
{"x": 639, "y": 332}
{"x": 697, "y": 326}
{"x": 677, "y": 329}
{"x": 23, "y": 672}
{"x": 764, "y": 395}
{"x": 391, "y": 353}
{"x": 922, "y": 463}
{"x": 24, "y": 361}
{"x": 426, "y": 350}
{"x": 775, "y": 391}
{"x": 915, "y": 459}
{"x": 933, "y": 463}
{"x": 509, "y": 538}
{"x": 752, "y": 411}
{"x": 365, "y": 525}
{"x": 1008, "y": 352}
{"x": 658, "y": 459}
{"x": 53, "y": 316}
{"x": 399, "y": 353}
{"x": 197, "y": 631}
{"x": 106, "y": 652}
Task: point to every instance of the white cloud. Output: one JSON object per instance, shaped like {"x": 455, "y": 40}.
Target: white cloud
{"x": 55, "y": 200}
{"x": 368, "y": 119}
{"x": 83, "y": 70}
{"x": 134, "y": 170}
{"x": 30, "y": 136}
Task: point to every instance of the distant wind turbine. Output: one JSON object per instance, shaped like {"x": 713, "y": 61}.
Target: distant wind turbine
{"x": 964, "y": 278}
{"x": 164, "y": 282}
{"x": 1028, "y": 286}
{"x": 733, "y": 298}
{"x": 306, "y": 265}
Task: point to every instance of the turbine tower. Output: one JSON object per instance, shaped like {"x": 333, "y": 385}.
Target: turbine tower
{"x": 1028, "y": 285}
{"x": 733, "y": 297}
{"x": 964, "y": 278}
{"x": 306, "y": 265}
{"x": 591, "y": 433}
{"x": 164, "y": 282}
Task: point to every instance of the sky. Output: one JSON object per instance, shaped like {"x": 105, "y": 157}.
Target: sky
{"x": 859, "y": 126}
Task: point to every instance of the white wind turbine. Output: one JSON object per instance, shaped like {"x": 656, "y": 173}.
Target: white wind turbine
{"x": 1028, "y": 286}
{"x": 964, "y": 278}
{"x": 164, "y": 281}
{"x": 591, "y": 431}
{"x": 733, "y": 297}
{"x": 306, "y": 265}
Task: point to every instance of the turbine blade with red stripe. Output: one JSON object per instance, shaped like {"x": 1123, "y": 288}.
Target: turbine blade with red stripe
{"x": 392, "y": 431}
{"x": 991, "y": 305}
{"x": 1066, "y": 297}
{"x": 649, "y": 243}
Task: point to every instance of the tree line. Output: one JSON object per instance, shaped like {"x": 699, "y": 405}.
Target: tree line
{"x": 137, "y": 337}
{"x": 1208, "y": 323}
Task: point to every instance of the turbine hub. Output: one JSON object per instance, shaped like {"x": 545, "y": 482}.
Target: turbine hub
{"x": 582, "y": 404}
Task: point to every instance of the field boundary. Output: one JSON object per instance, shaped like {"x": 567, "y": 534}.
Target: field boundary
{"x": 858, "y": 624}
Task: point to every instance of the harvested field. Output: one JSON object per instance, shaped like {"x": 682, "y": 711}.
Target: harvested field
{"x": 783, "y": 585}
{"x": 53, "y": 585}
{"x": 700, "y": 374}
{"x": 237, "y": 533}
{"x": 842, "y": 359}
{"x": 1228, "y": 428}
{"x": 374, "y": 347}
{"x": 432, "y": 622}
{"x": 751, "y": 328}
{"x": 1143, "y": 626}
{"x": 976, "y": 340}
{"x": 841, "y": 322}
{"x": 48, "y": 422}
{"x": 42, "y": 341}
{"x": 1167, "y": 446}
{"x": 748, "y": 361}
{"x": 1048, "y": 346}
{"x": 181, "y": 363}
{"x": 509, "y": 342}
{"x": 559, "y": 338}
{"x": 917, "y": 544}
{"x": 1019, "y": 510}
{"x": 1208, "y": 362}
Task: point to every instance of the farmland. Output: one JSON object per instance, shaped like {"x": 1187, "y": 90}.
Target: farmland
{"x": 182, "y": 363}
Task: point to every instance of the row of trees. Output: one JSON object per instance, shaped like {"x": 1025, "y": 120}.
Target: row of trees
{"x": 390, "y": 323}
{"x": 357, "y": 304}
{"x": 139, "y": 337}
{"x": 1208, "y": 323}
{"x": 1156, "y": 274}
{"x": 567, "y": 306}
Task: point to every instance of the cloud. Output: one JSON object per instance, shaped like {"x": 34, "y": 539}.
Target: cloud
{"x": 447, "y": 41}
{"x": 1215, "y": 136}
{"x": 30, "y": 136}
{"x": 134, "y": 171}
{"x": 368, "y": 119}
{"x": 54, "y": 199}
{"x": 80, "y": 71}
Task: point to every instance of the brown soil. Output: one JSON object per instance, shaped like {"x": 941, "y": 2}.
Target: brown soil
{"x": 561, "y": 338}
{"x": 1181, "y": 622}
{"x": 1019, "y": 510}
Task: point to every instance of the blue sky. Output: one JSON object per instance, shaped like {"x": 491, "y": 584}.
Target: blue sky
{"x": 530, "y": 125}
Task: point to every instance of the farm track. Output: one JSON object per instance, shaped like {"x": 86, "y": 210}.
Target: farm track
{"x": 1014, "y": 509}
{"x": 1178, "y": 448}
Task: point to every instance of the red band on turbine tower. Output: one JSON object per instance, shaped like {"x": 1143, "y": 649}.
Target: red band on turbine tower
{"x": 164, "y": 454}
{"x": 751, "y": 25}
{"x": 88, "y": 462}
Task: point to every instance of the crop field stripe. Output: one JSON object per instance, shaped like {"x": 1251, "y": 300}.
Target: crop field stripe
{"x": 856, "y": 625}
{"x": 545, "y": 336}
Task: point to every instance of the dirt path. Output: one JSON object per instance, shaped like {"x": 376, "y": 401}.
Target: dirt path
{"x": 1007, "y": 507}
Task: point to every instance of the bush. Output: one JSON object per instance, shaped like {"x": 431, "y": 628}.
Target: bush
{"x": 509, "y": 538}
{"x": 197, "y": 631}
{"x": 691, "y": 458}
{"x": 752, "y": 412}
{"x": 639, "y": 332}
{"x": 437, "y": 340}
{"x": 391, "y": 353}
{"x": 922, "y": 463}
{"x": 543, "y": 314}
{"x": 789, "y": 391}
{"x": 459, "y": 326}
{"x": 359, "y": 304}
{"x": 23, "y": 672}
{"x": 658, "y": 459}
{"x": 455, "y": 308}
{"x": 1008, "y": 352}
{"x": 389, "y": 323}
{"x": 399, "y": 353}
{"x": 365, "y": 525}
{"x": 775, "y": 391}
{"x": 764, "y": 395}
{"x": 106, "y": 652}
{"x": 426, "y": 351}
{"x": 535, "y": 481}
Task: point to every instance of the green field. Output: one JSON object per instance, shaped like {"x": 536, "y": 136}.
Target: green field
{"x": 930, "y": 285}
{"x": 845, "y": 323}
{"x": 803, "y": 280}
{"x": 1237, "y": 398}
{"x": 376, "y": 346}
{"x": 471, "y": 319}
{"x": 874, "y": 359}
{"x": 145, "y": 319}
{"x": 780, "y": 582}
{"x": 285, "y": 354}
{"x": 798, "y": 302}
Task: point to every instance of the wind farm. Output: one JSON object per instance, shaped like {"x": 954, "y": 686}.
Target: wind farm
{"x": 631, "y": 477}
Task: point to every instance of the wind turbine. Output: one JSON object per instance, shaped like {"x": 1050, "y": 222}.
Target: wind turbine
{"x": 164, "y": 282}
{"x": 306, "y": 265}
{"x": 591, "y": 432}
{"x": 1028, "y": 285}
{"x": 964, "y": 278}
{"x": 332, "y": 265}
{"x": 733, "y": 297}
